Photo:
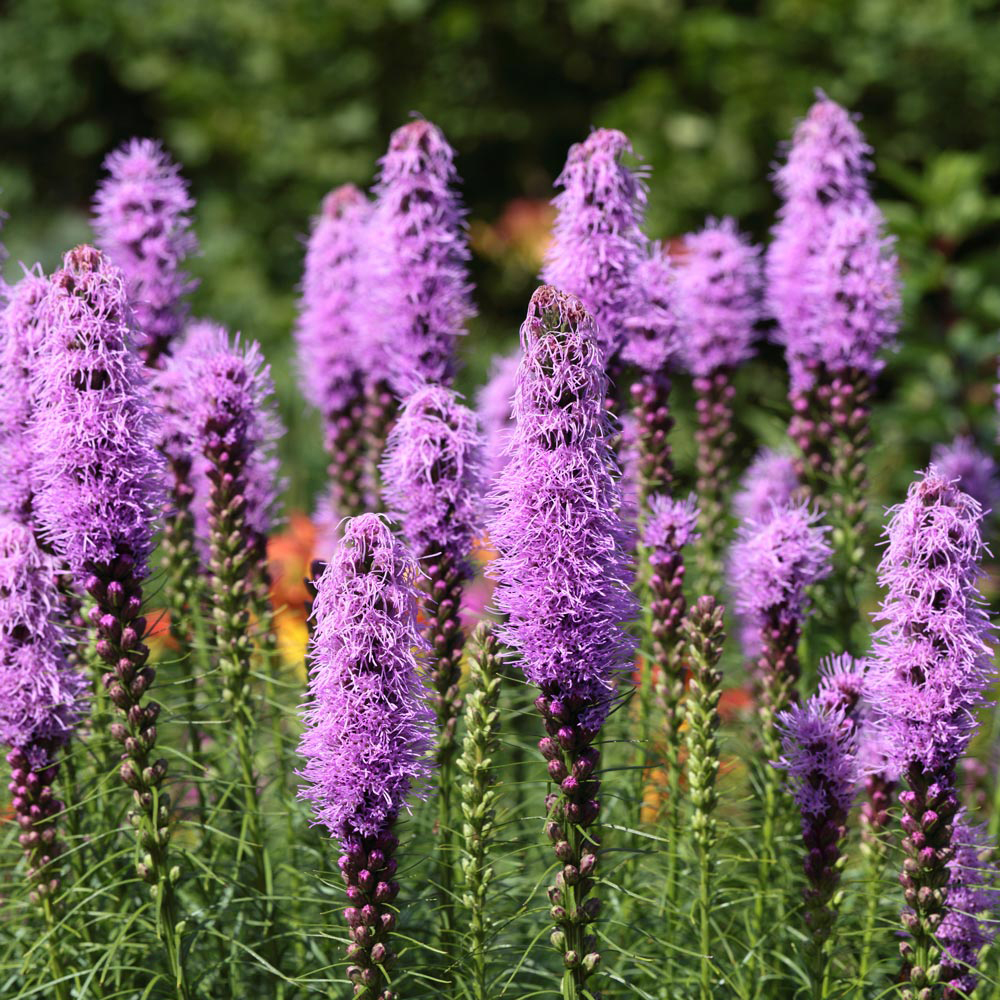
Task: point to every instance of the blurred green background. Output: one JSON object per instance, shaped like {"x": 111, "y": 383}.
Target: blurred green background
{"x": 269, "y": 103}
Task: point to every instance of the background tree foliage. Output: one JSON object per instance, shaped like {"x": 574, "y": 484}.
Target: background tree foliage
{"x": 269, "y": 103}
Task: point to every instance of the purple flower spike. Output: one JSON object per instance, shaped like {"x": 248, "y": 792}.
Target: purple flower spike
{"x": 598, "y": 243}
{"x": 769, "y": 482}
{"x": 843, "y": 687}
{"x": 653, "y": 335}
{"x": 432, "y": 475}
{"x": 142, "y": 219}
{"x": 718, "y": 298}
{"x": 972, "y": 469}
{"x": 20, "y": 340}
{"x": 330, "y": 329}
{"x": 419, "y": 257}
{"x": 100, "y": 486}
{"x": 495, "y": 407}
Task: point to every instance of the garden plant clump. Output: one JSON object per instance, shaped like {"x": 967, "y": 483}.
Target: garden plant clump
{"x": 603, "y": 684}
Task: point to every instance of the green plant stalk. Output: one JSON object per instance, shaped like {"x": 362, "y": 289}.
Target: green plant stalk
{"x": 55, "y": 959}
{"x": 874, "y": 820}
{"x": 479, "y": 745}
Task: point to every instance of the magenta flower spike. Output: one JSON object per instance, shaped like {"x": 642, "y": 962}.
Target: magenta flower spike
{"x": 564, "y": 577}
{"x": 931, "y": 671}
{"x": 142, "y": 217}
{"x": 368, "y": 731}
{"x": 331, "y": 329}
{"x": 972, "y": 469}
{"x": 419, "y": 258}
{"x": 718, "y": 306}
{"x": 597, "y": 243}
{"x": 495, "y": 408}
{"x": 41, "y": 697}
{"x": 770, "y": 482}
{"x": 19, "y": 348}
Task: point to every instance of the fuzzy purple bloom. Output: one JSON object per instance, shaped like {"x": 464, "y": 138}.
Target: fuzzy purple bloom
{"x": 328, "y": 333}
{"x": 652, "y": 330}
{"x": 843, "y": 687}
{"x": 769, "y": 482}
{"x": 718, "y": 298}
{"x": 932, "y": 658}
{"x": 433, "y": 476}
{"x": 100, "y": 485}
{"x": 41, "y": 696}
{"x": 975, "y": 471}
{"x": 418, "y": 256}
{"x": 142, "y": 220}
{"x": 670, "y": 525}
{"x": 19, "y": 349}
{"x": 597, "y": 242}
{"x": 368, "y": 731}
{"x": 774, "y": 562}
{"x": 973, "y": 905}
{"x": 495, "y": 408}
{"x": 563, "y": 570}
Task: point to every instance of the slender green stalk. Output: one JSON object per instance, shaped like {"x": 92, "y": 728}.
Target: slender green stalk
{"x": 479, "y": 797}
{"x": 874, "y": 820}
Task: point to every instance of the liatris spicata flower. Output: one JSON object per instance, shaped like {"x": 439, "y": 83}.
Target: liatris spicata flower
{"x": 479, "y": 798}
{"x": 564, "y": 584}
{"x": 973, "y": 469}
{"x": 433, "y": 483}
{"x": 819, "y": 754}
{"x": 931, "y": 670}
{"x": 495, "y": 408}
{"x": 769, "y": 483}
{"x": 652, "y": 345}
{"x": 597, "y": 242}
{"x": 99, "y": 492}
{"x": 718, "y": 305}
{"x": 19, "y": 345}
{"x": 329, "y": 335}
{"x": 973, "y": 902}
{"x": 704, "y": 639}
{"x": 419, "y": 257}
{"x": 41, "y": 696}
{"x": 368, "y": 732}
{"x": 143, "y": 223}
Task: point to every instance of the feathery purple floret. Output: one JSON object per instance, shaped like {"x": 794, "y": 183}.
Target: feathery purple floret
{"x": 843, "y": 686}
{"x": 974, "y": 470}
{"x": 433, "y": 476}
{"x": 775, "y": 561}
{"x": 597, "y": 241}
{"x": 329, "y": 332}
{"x": 718, "y": 298}
{"x": 19, "y": 348}
{"x": 973, "y": 904}
{"x": 670, "y": 525}
{"x": 652, "y": 335}
{"x": 41, "y": 696}
{"x": 142, "y": 219}
{"x": 495, "y": 409}
{"x": 100, "y": 485}
{"x": 368, "y": 731}
{"x": 563, "y": 569}
{"x": 769, "y": 482}
{"x": 418, "y": 256}
{"x": 932, "y": 661}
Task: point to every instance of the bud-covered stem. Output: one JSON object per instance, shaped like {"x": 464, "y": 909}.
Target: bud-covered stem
{"x": 651, "y": 406}
{"x": 379, "y": 415}
{"x": 874, "y": 818}
{"x": 479, "y": 797}
{"x": 346, "y": 445}
{"x": 715, "y": 439}
{"x": 116, "y": 589}
{"x": 705, "y": 638}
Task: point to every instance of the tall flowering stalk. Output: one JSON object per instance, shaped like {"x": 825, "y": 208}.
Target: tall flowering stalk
{"x": 597, "y": 242}
{"x": 479, "y": 797}
{"x": 931, "y": 670}
{"x": 142, "y": 217}
{"x": 494, "y": 407}
{"x": 100, "y": 490}
{"x": 704, "y": 638}
{"x": 773, "y": 563}
{"x": 564, "y": 584}
{"x": 368, "y": 732}
{"x": 433, "y": 483}
{"x": 770, "y": 482}
{"x": 718, "y": 306}
{"x": 329, "y": 334}
{"x": 669, "y": 527}
{"x": 833, "y": 286}
{"x": 651, "y": 345}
